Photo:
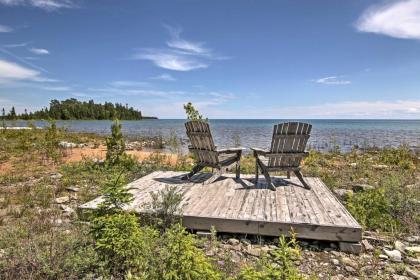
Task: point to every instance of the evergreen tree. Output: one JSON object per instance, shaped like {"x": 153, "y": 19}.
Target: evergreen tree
{"x": 115, "y": 145}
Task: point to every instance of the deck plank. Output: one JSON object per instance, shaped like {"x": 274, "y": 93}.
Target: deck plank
{"x": 237, "y": 206}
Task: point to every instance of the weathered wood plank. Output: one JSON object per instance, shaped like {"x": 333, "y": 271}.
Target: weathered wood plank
{"x": 239, "y": 206}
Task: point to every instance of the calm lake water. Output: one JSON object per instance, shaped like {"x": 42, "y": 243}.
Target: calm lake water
{"x": 257, "y": 133}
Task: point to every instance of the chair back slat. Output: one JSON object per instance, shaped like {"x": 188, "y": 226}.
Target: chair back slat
{"x": 202, "y": 141}
{"x": 288, "y": 144}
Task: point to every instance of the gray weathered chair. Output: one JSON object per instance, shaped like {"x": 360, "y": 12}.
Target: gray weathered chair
{"x": 286, "y": 152}
{"x": 206, "y": 153}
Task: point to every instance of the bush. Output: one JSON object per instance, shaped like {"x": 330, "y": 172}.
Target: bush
{"x": 165, "y": 208}
{"x": 402, "y": 157}
{"x": 122, "y": 244}
{"x": 278, "y": 265}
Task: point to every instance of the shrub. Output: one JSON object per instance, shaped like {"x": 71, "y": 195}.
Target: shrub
{"x": 115, "y": 195}
{"x": 122, "y": 244}
{"x": 402, "y": 157}
{"x": 115, "y": 145}
{"x": 279, "y": 265}
{"x": 165, "y": 208}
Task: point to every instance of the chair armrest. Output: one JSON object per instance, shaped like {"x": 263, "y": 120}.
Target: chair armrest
{"x": 231, "y": 150}
{"x": 258, "y": 151}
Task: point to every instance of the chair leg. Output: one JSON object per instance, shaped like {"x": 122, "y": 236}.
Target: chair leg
{"x": 195, "y": 169}
{"x": 214, "y": 177}
{"x": 300, "y": 177}
{"x": 267, "y": 177}
{"x": 257, "y": 172}
{"x": 288, "y": 174}
{"x": 238, "y": 169}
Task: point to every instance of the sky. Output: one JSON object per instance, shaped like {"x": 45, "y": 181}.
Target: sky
{"x": 231, "y": 59}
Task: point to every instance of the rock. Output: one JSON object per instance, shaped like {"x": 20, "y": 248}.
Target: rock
{"x": 367, "y": 245}
{"x": 394, "y": 255}
{"x": 256, "y": 252}
{"x": 412, "y": 239}
{"x": 368, "y": 269}
{"x": 67, "y": 145}
{"x": 412, "y": 261}
{"x": 343, "y": 193}
{"x": 72, "y": 189}
{"x": 413, "y": 249}
{"x": 349, "y": 262}
{"x": 390, "y": 270}
{"x": 350, "y": 269}
{"x": 412, "y": 273}
{"x": 383, "y": 257}
{"x": 67, "y": 209}
{"x": 398, "y": 245}
{"x": 353, "y": 164}
{"x": 2, "y": 253}
{"x": 63, "y": 199}
{"x": 400, "y": 277}
{"x": 246, "y": 241}
{"x": 335, "y": 262}
{"x": 362, "y": 187}
{"x": 233, "y": 241}
{"x": 56, "y": 176}
{"x": 380, "y": 166}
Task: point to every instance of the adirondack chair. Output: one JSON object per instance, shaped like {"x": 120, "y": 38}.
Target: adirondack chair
{"x": 206, "y": 153}
{"x": 286, "y": 152}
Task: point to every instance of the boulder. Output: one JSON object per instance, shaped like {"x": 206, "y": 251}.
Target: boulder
{"x": 233, "y": 241}
{"x": 343, "y": 192}
{"x": 412, "y": 273}
{"x": 398, "y": 245}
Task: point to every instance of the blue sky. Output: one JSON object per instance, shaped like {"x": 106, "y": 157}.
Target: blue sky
{"x": 232, "y": 59}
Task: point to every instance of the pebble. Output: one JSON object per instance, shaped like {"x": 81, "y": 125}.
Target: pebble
{"x": 362, "y": 187}
{"x": 368, "y": 247}
{"x": 398, "y": 245}
{"x": 233, "y": 241}
{"x": 349, "y": 262}
{"x": 394, "y": 255}
{"x": 413, "y": 249}
{"x": 412, "y": 273}
{"x": 56, "y": 176}
{"x": 72, "y": 189}
{"x": 335, "y": 262}
{"x": 62, "y": 199}
{"x": 412, "y": 261}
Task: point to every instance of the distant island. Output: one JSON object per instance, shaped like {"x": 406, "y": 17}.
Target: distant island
{"x": 73, "y": 109}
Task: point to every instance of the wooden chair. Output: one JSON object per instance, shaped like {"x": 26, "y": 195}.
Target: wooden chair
{"x": 206, "y": 153}
{"x": 286, "y": 152}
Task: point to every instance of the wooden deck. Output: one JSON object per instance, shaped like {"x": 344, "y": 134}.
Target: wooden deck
{"x": 240, "y": 206}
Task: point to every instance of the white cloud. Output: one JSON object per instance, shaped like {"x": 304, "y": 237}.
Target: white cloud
{"x": 178, "y": 43}
{"x": 4, "y": 28}
{"x": 181, "y": 54}
{"x": 170, "y": 60}
{"x": 164, "y": 77}
{"x": 399, "y": 19}
{"x": 39, "y": 51}
{"x": 19, "y": 45}
{"x": 128, "y": 84}
{"x": 48, "y": 5}
{"x": 57, "y": 88}
{"x": 10, "y": 71}
{"x": 333, "y": 80}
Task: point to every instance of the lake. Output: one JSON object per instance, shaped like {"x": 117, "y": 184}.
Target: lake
{"x": 257, "y": 133}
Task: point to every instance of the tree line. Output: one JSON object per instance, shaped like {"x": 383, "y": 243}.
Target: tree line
{"x": 73, "y": 109}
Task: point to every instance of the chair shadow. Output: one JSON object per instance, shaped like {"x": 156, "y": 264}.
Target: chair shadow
{"x": 261, "y": 184}
{"x": 196, "y": 179}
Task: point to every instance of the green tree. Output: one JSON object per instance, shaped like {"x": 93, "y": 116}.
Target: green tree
{"x": 192, "y": 113}
{"x": 115, "y": 144}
